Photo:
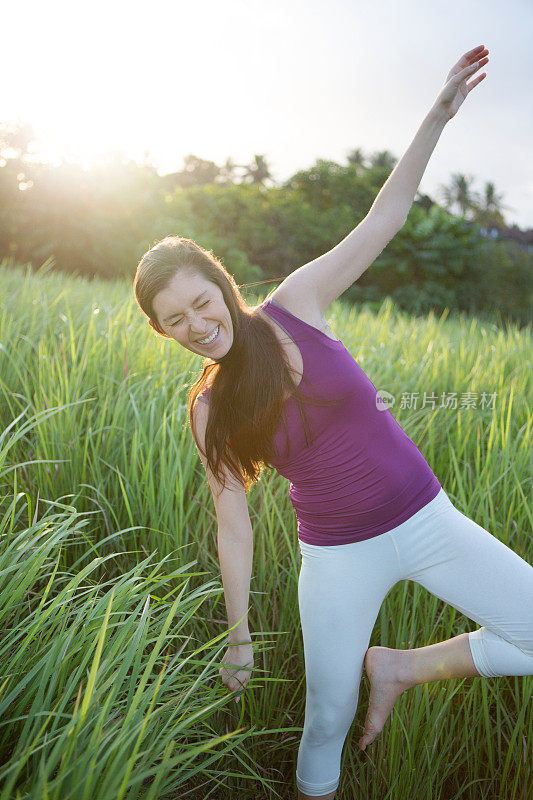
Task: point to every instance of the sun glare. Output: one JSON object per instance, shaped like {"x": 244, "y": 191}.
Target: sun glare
{"x": 81, "y": 141}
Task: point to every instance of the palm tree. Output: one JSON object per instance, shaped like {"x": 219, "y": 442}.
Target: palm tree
{"x": 383, "y": 158}
{"x": 258, "y": 171}
{"x": 459, "y": 192}
{"x": 489, "y": 214}
{"x": 227, "y": 171}
{"x": 356, "y": 158}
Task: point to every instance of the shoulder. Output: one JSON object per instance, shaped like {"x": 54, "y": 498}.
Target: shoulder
{"x": 300, "y": 302}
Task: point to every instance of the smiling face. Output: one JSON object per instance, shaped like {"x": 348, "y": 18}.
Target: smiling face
{"x": 192, "y": 308}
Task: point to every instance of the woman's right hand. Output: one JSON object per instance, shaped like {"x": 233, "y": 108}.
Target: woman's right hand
{"x": 236, "y": 678}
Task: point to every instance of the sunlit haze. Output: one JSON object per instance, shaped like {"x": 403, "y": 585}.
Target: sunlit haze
{"x": 293, "y": 80}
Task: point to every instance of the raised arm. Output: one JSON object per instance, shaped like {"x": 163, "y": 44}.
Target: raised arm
{"x": 398, "y": 192}
{"x": 320, "y": 282}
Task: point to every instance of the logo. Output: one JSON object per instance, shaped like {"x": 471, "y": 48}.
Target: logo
{"x": 384, "y": 400}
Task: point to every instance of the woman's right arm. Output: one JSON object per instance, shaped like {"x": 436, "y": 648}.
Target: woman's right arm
{"x": 235, "y": 552}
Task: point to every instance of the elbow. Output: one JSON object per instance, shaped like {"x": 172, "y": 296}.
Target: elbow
{"x": 389, "y": 220}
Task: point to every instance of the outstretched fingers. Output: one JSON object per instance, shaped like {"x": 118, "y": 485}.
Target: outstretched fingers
{"x": 471, "y": 55}
{"x": 470, "y": 70}
{"x": 475, "y": 82}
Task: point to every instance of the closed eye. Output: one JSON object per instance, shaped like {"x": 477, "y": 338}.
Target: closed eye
{"x": 179, "y": 320}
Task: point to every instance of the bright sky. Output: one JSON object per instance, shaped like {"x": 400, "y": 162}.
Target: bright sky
{"x": 294, "y": 80}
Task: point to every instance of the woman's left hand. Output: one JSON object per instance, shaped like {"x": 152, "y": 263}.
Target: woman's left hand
{"x": 456, "y": 88}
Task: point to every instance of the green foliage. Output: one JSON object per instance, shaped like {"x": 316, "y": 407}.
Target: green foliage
{"x": 328, "y": 185}
{"x": 422, "y": 266}
{"x": 99, "y": 222}
{"x": 500, "y": 282}
{"x": 439, "y": 261}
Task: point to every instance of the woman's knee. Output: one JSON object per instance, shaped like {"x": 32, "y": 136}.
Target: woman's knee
{"x": 326, "y": 721}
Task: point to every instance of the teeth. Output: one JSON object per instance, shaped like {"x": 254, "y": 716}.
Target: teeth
{"x": 210, "y": 338}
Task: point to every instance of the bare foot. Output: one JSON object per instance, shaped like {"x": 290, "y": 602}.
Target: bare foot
{"x": 383, "y": 669}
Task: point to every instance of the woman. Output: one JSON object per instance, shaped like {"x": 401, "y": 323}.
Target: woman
{"x": 279, "y": 389}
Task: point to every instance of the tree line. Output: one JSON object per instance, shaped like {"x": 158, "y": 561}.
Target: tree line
{"x": 99, "y": 222}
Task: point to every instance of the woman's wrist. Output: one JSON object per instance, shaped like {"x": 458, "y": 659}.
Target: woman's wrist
{"x": 438, "y": 115}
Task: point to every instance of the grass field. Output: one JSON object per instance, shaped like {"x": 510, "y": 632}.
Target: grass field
{"x": 112, "y": 613}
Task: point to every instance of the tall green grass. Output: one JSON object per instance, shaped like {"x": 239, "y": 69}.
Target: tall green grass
{"x": 112, "y": 613}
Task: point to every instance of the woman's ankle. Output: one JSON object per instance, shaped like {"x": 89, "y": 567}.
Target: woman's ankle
{"x": 302, "y": 796}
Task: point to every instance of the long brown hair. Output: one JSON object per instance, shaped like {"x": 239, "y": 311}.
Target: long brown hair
{"x": 248, "y": 385}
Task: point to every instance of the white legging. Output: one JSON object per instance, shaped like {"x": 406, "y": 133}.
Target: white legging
{"x": 341, "y": 589}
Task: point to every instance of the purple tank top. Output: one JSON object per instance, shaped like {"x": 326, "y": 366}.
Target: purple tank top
{"x": 362, "y": 474}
